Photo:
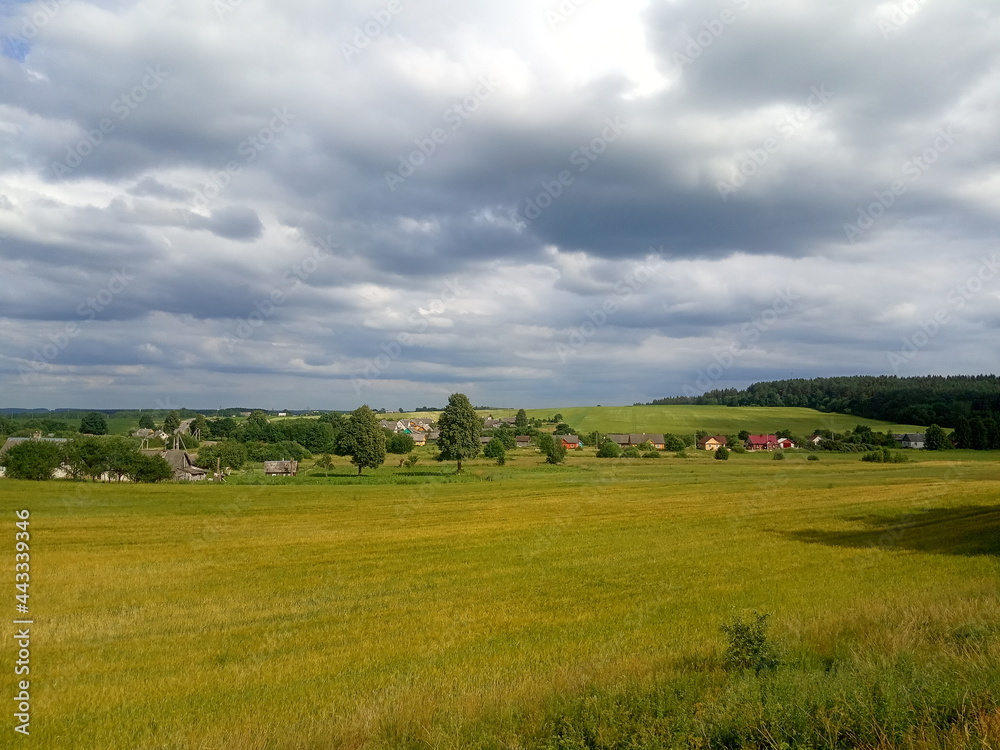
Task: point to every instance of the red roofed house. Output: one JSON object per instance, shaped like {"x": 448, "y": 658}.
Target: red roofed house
{"x": 762, "y": 442}
{"x": 570, "y": 442}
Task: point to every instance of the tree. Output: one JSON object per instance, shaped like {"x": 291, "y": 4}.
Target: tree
{"x": 227, "y": 453}
{"x": 222, "y": 428}
{"x": 980, "y": 434}
{"x": 521, "y": 420}
{"x": 935, "y": 439}
{"x": 399, "y": 443}
{"x": 200, "y": 427}
{"x": 172, "y": 422}
{"x": 366, "y": 439}
{"x": 563, "y": 429}
{"x": 496, "y": 449}
{"x": 722, "y": 453}
{"x": 557, "y": 418}
{"x": 33, "y": 459}
{"x": 325, "y": 462}
{"x": 963, "y": 433}
{"x": 150, "y": 469}
{"x": 609, "y": 449}
{"x": 459, "y": 430}
{"x": 146, "y": 422}
{"x": 94, "y": 423}
{"x": 556, "y": 453}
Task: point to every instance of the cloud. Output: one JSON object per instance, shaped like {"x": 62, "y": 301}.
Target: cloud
{"x": 470, "y": 195}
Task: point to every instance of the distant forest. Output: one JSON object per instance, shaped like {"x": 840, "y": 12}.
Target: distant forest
{"x": 944, "y": 400}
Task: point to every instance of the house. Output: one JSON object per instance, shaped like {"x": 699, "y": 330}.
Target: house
{"x": 489, "y": 423}
{"x": 144, "y": 433}
{"x": 281, "y": 468}
{"x": 485, "y": 439}
{"x": 419, "y": 438}
{"x": 388, "y": 424}
{"x": 569, "y": 442}
{"x": 637, "y": 439}
{"x": 762, "y": 443}
{"x": 911, "y": 440}
{"x": 433, "y": 436}
{"x": 182, "y": 465}
{"x": 785, "y": 443}
{"x": 711, "y": 442}
{"x": 815, "y": 439}
{"x": 522, "y": 441}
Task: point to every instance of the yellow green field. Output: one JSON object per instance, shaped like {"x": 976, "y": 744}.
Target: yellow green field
{"x": 522, "y": 606}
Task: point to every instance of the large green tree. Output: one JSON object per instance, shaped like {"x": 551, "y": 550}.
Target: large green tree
{"x": 172, "y": 422}
{"x": 459, "y": 427}
{"x": 365, "y": 438}
{"x": 33, "y": 459}
{"x": 94, "y": 423}
{"x": 521, "y": 420}
{"x": 935, "y": 439}
{"x": 146, "y": 422}
{"x": 399, "y": 443}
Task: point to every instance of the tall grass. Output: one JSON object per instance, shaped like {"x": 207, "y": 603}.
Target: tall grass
{"x": 571, "y": 606}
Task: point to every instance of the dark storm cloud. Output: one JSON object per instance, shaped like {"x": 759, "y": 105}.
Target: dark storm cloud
{"x": 292, "y": 190}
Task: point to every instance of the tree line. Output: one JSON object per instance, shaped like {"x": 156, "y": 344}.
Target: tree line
{"x": 924, "y": 400}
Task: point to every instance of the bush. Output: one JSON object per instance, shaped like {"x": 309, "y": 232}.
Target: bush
{"x": 556, "y": 454}
{"x": 411, "y": 461}
{"x": 778, "y": 456}
{"x": 399, "y": 443}
{"x": 813, "y": 457}
{"x": 738, "y": 448}
{"x": 609, "y": 450}
{"x": 631, "y": 452}
{"x": 151, "y": 469}
{"x": 722, "y": 453}
{"x": 885, "y": 456}
{"x": 681, "y": 454}
{"x": 495, "y": 449}
{"x": 749, "y": 646}
{"x": 651, "y": 454}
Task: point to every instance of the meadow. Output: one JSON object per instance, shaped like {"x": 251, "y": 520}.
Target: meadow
{"x": 523, "y": 606}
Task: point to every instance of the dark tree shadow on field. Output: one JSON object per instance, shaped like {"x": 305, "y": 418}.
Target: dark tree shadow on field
{"x": 968, "y": 530}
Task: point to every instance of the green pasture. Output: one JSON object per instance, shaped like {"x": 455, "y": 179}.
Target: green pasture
{"x": 523, "y": 606}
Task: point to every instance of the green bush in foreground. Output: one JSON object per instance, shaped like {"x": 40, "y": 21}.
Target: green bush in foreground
{"x": 885, "y": 456}
{"x": 722, "y": 453}
{"x": 749, "y": 646}
{"x": 609, "y": 450}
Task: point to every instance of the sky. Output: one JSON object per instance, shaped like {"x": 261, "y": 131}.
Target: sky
{"x": 306, "y": 204}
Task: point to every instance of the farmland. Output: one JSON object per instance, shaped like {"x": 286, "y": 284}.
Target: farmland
{"x": 521, "y": 606}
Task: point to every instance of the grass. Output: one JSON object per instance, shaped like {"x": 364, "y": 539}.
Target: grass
{"x": 576, "y": 606}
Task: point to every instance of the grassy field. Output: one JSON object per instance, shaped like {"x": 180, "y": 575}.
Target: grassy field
{"x": 523, "y": 606}
{"x": 680, "y": 420}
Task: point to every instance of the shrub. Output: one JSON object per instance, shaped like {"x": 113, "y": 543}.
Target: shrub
{"x": 738, "y": 448}
{"x": 749, "y": 646}
{"x": 151, "y": 469}
{"x": 399, "y": 443}
{"x": 681, "y": 454}
{"x": 813, "y": 457}
{"x": 722, "y": 453}
{"x": 631, "y": 452}
{"x": 885, "y": 456}
{"x": 609, "y": 450}
{"x": 651, "y": 454}
{"x": 556, "y": 454}
{"x": 778, "y": 456}
{"x": 411, "y": 461}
